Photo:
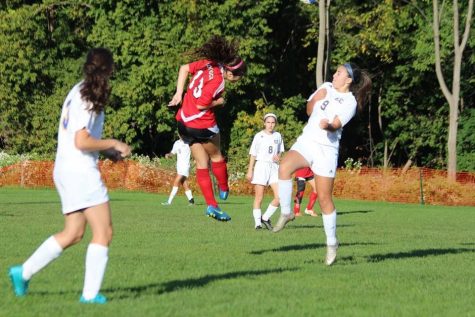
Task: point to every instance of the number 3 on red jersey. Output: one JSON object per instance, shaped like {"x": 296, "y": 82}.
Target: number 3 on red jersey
{"x": 198, "y": 90}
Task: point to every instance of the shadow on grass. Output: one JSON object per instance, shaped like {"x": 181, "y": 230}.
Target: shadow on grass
{"x": 296, "y": 227}
{"x": 342, "y": 213}
{"x": 176, "y": 285}
{"x": 32, "y": 203}
{"x": 415, "y": 254}
{"x": 310, "y": 246}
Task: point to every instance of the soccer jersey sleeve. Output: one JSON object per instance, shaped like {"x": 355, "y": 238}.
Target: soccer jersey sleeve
{"x": 346, "y": 112}
{"x": 79, "y": 116}
{"x": 254, "y": 146}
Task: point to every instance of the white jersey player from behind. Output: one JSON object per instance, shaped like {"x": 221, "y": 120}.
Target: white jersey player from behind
{"x": 183, "y": 153}
{"x": 84, "y": 197}
{"x": 266, "y": 150}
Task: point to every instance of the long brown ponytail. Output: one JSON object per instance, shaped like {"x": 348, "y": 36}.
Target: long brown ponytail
{"x": 97, "y": 70}
{"x": 361, "y": 85}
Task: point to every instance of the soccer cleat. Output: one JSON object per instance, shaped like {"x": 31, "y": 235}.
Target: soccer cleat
{"x": 311, "y": 213}
{"x": 283, "y": 220}
{"x": 259, "y": 227}
{"x": 20, "y": 285}
{"x": 191, "y": 201}
{"x": 297, "y": 214}
{"x": 217, "y": 213}
{"x": 267, "y": 224}
{"x": 166, "y": 203}
{"x": 99, "y": 299}
{"x": 331, "y": 254}
{"x": 223, "y": 194}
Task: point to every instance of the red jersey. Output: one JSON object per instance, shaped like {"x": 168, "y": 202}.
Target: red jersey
{"x": 305, "y": 172}
{"x": 206, "y": 85}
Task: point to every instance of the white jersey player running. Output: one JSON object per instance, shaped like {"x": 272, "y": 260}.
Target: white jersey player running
{"x": 183, "y": 153}
{"x": 266, "y": 150}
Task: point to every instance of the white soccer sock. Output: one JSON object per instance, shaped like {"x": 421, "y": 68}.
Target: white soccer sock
{"x": 257, "y": 216}
{"x": 172, "y": 194}
{"x": 44, "y": 255}
{"x": 96, "y": 262}
{"x": 269, "y": 212}
{"x": 329, "y": 224}
{"x": 188, "y": 194}
{"x": 285, "y": 196}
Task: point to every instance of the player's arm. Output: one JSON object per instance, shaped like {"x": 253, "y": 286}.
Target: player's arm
{"x": 180, "y": 85}
{"x": 325, "y": 124}
{"x": 320, "y": 95}
{"x": 215, "y": 103}
{"x": 250, "y": 169}
{"x": 85, "y": 142}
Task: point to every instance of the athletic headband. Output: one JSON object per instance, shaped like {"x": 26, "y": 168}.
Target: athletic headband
{"x": 349, "y": 69}
{"x": 235, "y": 66}
{"x": 270, "y": 115}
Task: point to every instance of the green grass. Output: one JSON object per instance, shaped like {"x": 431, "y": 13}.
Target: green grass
{"x": 394, "y": 260}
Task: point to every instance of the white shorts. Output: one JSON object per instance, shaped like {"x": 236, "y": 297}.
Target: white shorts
{"x": 79, "y": 189}
{"x": 183, "y": 169}
{"x": 323, "y": 159}
{"x": 265, "y": 173}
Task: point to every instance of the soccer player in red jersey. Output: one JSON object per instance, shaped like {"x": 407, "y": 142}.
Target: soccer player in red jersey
{"x": 301, "y": 176}
{"x": 217, "y": 62}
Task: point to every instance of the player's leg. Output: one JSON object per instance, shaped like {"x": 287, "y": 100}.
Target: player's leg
{"x": 188, "y": 192}
{"x": 176, "y": 183}
{"x": 256, "y": 206}
{"x": 299, "y": 195}
{"x": 272, "y": 207}
{"x": 218, "y": 165}
{"x": 324, "y": 190}
{"x": 312, "y": 199}
{"x": 50, "y": 249}
{"x": 100, "y": 221}
{"x": 204, "y": 181}
{"x": 291, "y": 162}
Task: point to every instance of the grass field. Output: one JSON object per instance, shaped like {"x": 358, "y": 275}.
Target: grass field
{"x": 394, "y": 260}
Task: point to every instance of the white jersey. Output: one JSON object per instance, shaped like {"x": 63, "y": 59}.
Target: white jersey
{"x": 264, "y": 146}
{"x": 183, "y": 152}
{"x": 75, "y": 116}
{"x": 334, "y": 104}
{"x": 76, "y": 174}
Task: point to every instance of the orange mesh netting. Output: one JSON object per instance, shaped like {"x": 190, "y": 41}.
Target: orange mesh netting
{"x": 392, "y": 185}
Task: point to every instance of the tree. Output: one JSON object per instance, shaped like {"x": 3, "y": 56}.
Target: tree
{"x": 452, "y": 96}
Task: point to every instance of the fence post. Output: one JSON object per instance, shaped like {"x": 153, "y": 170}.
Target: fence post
{"x": 421, "y": 188}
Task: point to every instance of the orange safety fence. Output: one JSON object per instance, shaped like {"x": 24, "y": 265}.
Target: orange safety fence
{"x": 416, "y": 185}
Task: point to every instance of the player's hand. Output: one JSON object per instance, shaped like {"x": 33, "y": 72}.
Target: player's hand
{"x": 324, "y": 123}
{"x": 176, "y": 100}
{"x": 123, "y": 149}
{"x": 249, "y": 176}
{"x": 276, "y": 158}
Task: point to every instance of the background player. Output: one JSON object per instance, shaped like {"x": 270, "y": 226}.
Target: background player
{"x": 302, "y": 176}
{"x": 182, "y": 152}
{"x": 266, "y": 149}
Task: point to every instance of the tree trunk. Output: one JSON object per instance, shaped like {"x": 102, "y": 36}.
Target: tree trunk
{"x": 454, "y": 95}
{"x": 321, "y": 41}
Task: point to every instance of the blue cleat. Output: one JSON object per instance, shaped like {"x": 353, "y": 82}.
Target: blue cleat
{"x": 217, "y": 213}
{"x": 99, "y": 299}
{"x": 223, "y": 195}
{"x": 20, "y": 285}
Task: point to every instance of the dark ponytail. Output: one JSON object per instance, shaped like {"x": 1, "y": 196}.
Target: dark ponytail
{"x": 360, "y": 86}
{"x": 221, "y": 51}
{"x": 97, "y": 70}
